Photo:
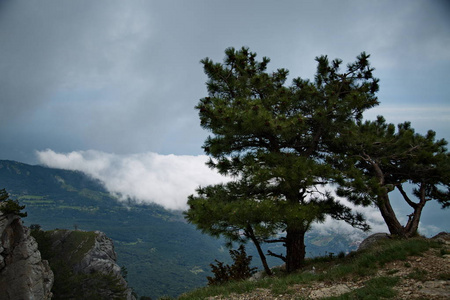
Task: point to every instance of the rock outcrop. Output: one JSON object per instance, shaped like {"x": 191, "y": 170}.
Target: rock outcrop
{"x": 83, "y": 263}
{"x": 23, "y": 274}
{"x": 91, "y": 257}
{"x": 372, "y": 239}
{"x": 100, "y": 258}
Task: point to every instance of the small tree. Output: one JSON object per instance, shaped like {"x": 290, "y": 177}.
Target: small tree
{"x": 274, "y": 140}
{"x": 239, "y": 270}
{"x": 9, "y": 206}
{"x": 380, "y": 159}
{"x": 228, "y": 210}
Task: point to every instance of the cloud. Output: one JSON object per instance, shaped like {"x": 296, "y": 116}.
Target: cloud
{"x": 433, "y": 219}
{"x": 124, "y": 76}
{"x": 166, "y": 180}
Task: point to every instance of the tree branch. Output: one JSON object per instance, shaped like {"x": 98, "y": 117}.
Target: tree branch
{"x": 281, "y": 240}
{"x": 376, "y": 167}
{"x": 405, "y": 196}
{"x": 280, "y": 256}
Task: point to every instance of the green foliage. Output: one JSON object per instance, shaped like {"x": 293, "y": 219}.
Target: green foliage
{"x": 376, "y": 288}
{"x": 352, "y": 267}
{"x": 152, "y": 243}
{"x": 444, "y": 276}
{"x": 418, "y": 274}
{"x": 378, "y": 159}
{"x": 9, "y": 206}
{"x": 64, "y": 255}
{"x": 239, "y": 270}
{"x": 43, "y": 238}
{"x": 124, "y": 272}
{"x": 221, "y": 273}
{"x": 274, "y": 139}
{"x": 70, "y": 285}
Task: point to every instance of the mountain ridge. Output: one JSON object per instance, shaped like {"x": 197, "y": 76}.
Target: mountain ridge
{"x": 161, "y": 252}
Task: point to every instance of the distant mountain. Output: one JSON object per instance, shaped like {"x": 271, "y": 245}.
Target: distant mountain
{"x": 163, "y": 255}
{"x": 161, "y": 252}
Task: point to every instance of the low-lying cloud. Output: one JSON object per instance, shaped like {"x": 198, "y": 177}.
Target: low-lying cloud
{"x": 166, "y": 180}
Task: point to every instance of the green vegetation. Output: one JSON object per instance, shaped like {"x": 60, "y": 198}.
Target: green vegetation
{"x": 351, "y": 267}
{"x": 62, "y": 256}
{"x": 418, "y": 274}
{"x": 379, "y": 159}
{"x": 239, "y": 270}
{"x": 156, "y": 246}
{"x": 376, "y": 288}
{"x": 163, "y": 254}
{"x": 275, "y": 139}
{"x": 9, "y": 206}
{"x": 444, "y": 276}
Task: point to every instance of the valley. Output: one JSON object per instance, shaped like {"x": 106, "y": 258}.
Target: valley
{"x": 161, "y": 253}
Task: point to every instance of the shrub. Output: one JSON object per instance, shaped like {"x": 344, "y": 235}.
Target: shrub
{"x": 9, "y": 206}
{"x": 239, "y": 270}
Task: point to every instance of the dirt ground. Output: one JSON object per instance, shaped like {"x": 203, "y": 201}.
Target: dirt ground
{"x": 419, "y": 279}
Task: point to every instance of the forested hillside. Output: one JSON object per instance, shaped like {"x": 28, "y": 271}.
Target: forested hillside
{"x": 162, "y": 254}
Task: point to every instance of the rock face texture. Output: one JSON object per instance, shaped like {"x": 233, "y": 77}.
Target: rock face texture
{"x": 100, "y": 258}
{"x": 88, "y": 253}
{"x": 85, "y": 261}
{"x": 371, "y": 239}
{"x": 23, "y": 274}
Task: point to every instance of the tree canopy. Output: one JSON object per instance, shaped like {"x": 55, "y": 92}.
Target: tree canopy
{"x": 379, "y": 158}
{"x": 10, "y": 206}
{"x": 274, "y": 140}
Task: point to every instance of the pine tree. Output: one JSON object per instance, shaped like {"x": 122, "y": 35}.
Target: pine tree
{"x": 10, "y": 206}
{"x": 379, "y": 159}
{"x": 274, "y": 139}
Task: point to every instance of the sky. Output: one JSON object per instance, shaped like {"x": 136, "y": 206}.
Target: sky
{"x": 109, "y": 87}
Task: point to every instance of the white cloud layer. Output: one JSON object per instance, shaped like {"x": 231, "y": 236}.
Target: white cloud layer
{"x": 166, "y": 180}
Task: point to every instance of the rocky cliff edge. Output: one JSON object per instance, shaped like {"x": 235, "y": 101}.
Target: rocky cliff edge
{"x": 74, "y": 261}
{"x": 23, "y": 274}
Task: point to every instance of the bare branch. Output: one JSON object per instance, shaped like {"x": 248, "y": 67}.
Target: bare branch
{"x": 281, "y": 240}
{"x": 280, "y": 256}
{"x": 405, "y": 196}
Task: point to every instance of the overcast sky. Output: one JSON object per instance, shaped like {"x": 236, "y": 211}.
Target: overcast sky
{"x": 114, "y": 81}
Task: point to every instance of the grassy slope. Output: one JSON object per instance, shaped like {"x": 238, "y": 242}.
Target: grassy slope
{"x": 352, "y": 267}
{"x": 162, "y": 254}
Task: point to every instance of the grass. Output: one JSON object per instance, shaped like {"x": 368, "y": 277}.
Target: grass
{"x": 444, "y": 276}
{"x": 376, "y": 288}
{"x": 332, "y": 269}
{"x": 418, "y": 274}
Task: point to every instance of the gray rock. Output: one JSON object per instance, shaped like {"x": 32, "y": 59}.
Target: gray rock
{"x": 98, "y": 258}
{"x": 442, "y": 237}
{"x": 102, "y": 258}
{"x": 23, "y": 274}
{"x": 372, "y": 239}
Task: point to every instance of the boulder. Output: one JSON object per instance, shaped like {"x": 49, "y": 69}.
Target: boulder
{"x": 372, "y": 239}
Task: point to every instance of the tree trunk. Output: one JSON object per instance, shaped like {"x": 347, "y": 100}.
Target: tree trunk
{"x": 388, "y": 214}
{"x": 394, "y": 226}
{"x": 413, "y": 222}
{"x": 255, "y": 241}
{"x": 295, "y": 249}
{"x": 414, "y": 218}
{"x": 263, "y": 258}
